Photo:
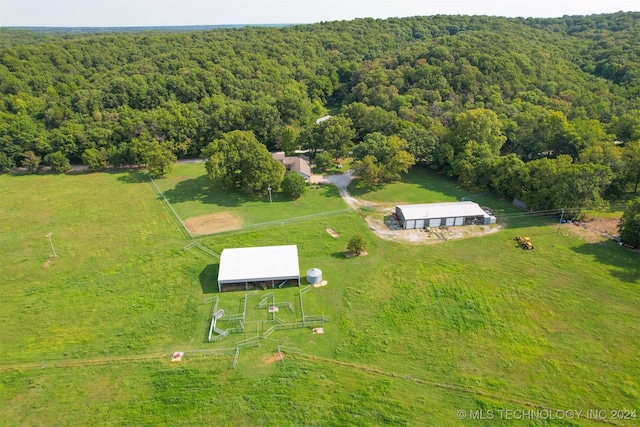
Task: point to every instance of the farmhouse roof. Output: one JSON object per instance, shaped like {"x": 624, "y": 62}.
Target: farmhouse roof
{"x": 258, "y": 264}
{"x": 298, "y": 164}
{"x": 442, "y": 210}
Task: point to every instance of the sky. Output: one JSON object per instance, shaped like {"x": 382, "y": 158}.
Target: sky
{"x": 128, "y": 13}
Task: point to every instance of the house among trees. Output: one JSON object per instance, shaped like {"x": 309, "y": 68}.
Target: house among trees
{"x": 300, "y": 164}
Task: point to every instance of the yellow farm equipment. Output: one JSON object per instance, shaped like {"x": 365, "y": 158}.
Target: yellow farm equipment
{"x": 524, "y": 242}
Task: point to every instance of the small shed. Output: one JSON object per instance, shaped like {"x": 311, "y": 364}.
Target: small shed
{"x": 264, "y": 266}
{"x": 442, "y": 214}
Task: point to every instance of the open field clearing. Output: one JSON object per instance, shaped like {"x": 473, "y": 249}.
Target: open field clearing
{"x": 118, "y": 279}
{"x": 199, "y": 391}
{"x": 417, "y": 332}
{"x": 423, "y": 185}
{"x": 193, "y": 195}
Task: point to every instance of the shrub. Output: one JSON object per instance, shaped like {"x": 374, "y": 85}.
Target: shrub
{"x": 293, "y": 185}
{"x": 356, "y": 244}
{"x": 31, "y": 161}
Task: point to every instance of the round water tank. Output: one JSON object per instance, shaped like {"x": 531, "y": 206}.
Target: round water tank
{"x": 314, "y": 275}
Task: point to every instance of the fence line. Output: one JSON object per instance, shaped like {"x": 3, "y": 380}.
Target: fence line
{"x": 184, "y": 227}
{"x": 198, "y": 245}
{"x": 279, "y": 222}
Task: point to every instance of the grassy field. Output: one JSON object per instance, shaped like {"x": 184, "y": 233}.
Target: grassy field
{"x": 192, "y": 194}
{"x": 423, "y": 185}
{"x": 417, "y": 333}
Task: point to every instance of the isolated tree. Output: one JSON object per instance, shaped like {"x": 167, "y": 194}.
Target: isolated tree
{"x": 293, "y": 185}
{"x": 629, "y": 226}
{"x": 239, "y": 161}
{"x": 58, "y": 162}
{"x": 31, "y": 161}
{"x": 356, "y": 244}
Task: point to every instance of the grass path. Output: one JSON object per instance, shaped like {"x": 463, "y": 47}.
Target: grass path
{"x": 452, "y": 387}
{"x": 145, "y": 358}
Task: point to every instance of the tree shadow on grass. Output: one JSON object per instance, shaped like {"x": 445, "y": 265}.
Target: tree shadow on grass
{"x": 204, "y": 190}
{"x": 624, "y": 263}
{"x": 339, "y": 255}
{"x": 130, "y": 177}
{"x": 357, "y": 188}
{"x": 209, "y": 279}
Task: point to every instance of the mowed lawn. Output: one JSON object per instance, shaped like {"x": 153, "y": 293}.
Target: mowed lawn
{"x": 417, "y": 333}
{"x": 423, "y": 185}
{"x": 193, "y": 194}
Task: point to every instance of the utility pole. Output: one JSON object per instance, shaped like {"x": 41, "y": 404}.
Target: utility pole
{"x": 269, "y": 188}
{"x": 51, "y": 242}
{"x": 561, "y": 218}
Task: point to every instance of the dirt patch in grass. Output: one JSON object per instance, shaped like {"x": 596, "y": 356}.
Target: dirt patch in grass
{"x": 213, "y": 223}
{"x": 592, "y": 229}
{"x": 390, "y": 230}
{"x": 273, "y": 359}
{"x": 48, "y": 264}
{"x": 332, "y": 232}
{"x": 353, "y": 254}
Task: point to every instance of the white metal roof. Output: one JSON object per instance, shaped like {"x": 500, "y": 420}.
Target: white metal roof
{"x": 441, "y": 210}
{"x": 258, "y": 264}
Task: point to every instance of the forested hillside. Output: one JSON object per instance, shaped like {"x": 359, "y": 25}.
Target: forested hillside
{"x": 530, "y": 108}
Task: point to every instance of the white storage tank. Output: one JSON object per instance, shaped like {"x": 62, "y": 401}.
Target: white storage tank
{"x": 314, "y": 275}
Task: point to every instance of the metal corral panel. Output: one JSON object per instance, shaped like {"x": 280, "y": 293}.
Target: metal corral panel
{"x": 410, "y": 224}
{"x": 419, "y": 223}
{"x": 450, "y": 221}
{"x": 434, "y": 222}
{"x": 459, "y": 221}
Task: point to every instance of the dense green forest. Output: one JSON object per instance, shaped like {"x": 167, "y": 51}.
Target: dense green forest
{"x": 547, "y": 110}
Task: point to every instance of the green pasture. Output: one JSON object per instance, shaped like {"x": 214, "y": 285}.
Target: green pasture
{"x": 416, "y": 333}
{"x": 192, "y": 193}
{"x": 423, "y": 185}
{"x": 204, "y": 391}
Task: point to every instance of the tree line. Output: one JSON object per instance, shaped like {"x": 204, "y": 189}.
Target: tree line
{"x": 546, "y": 110}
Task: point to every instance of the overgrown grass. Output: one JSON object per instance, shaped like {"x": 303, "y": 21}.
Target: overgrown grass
{"x": 202, "y": 391}
{"x": 493, "y": 325}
